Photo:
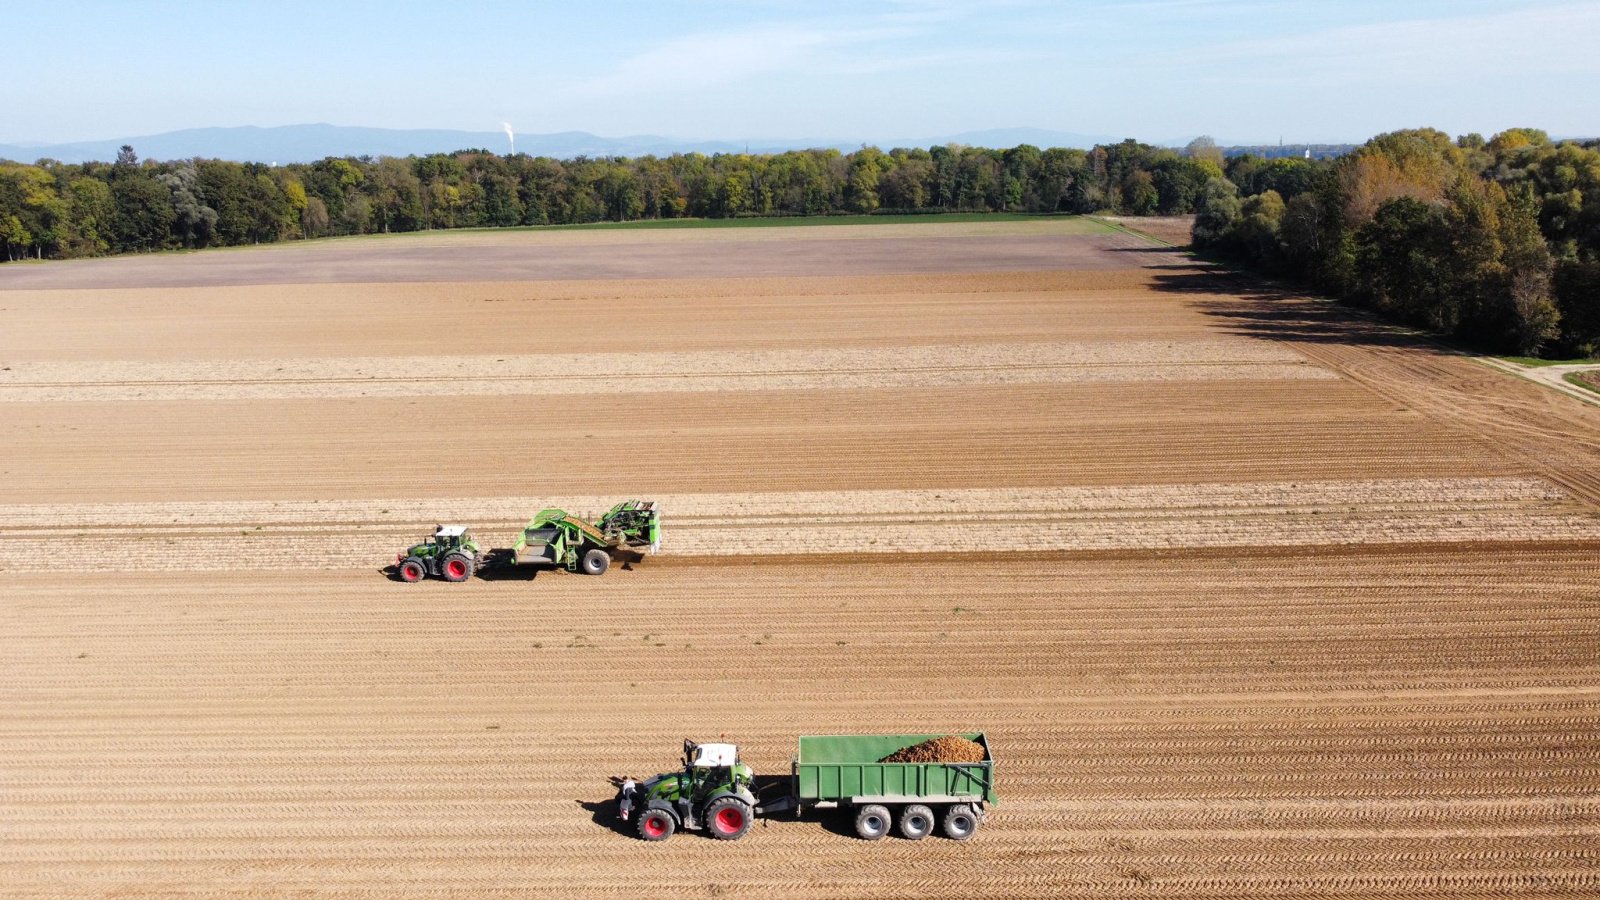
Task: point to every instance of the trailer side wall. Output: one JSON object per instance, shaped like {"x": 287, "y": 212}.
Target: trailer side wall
{"x": 843, "y": 767}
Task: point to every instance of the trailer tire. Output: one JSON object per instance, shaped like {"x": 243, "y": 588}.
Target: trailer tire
{"x": 960, "y": 822}
{"x": 455, "y": 567}
{"x": 595, "y": 562}
{"x": 916, "y": 822}
{"x": 728, "y": 818}
{"x": 872, "y": 822}
{"x": 656, "y": 825}
{"x": 411, "y": 570}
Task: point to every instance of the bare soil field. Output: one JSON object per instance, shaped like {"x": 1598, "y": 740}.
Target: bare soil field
{"x": 1174, "y": 230}
{"x": 559, "y": 255}
{"x": 1253, "y": 597}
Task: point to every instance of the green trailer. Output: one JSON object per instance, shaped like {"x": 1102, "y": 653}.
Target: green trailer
{"x": 842, "y": 771}
{"x": 712, "y": 792}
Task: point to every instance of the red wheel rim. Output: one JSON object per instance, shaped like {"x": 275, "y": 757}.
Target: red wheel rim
{"x": 729, "y": 820}
{"x": 654, "y": 827}
{"x": 410, "y": 572}
{"x": 457, "y": 568}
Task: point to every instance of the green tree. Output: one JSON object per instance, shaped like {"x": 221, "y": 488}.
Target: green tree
{"x": 144, "y": 211}
{"x": 1219, "y": 208}
{"x": 93, "y": 214}
{"x": 866, "y": 165}
{"x": 1403, "y": 263}
{"x": 1255, "y": 231}
{"x": 1204, "y": 149}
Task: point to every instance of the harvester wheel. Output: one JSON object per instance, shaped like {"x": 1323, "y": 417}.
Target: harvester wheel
{"x": 728, "y": 818}
{"x": 960, "y": 822}
{"x": 872, "y": 822}
{"x": 916, "y": 822}
{"x": 596, "y": 562}
{"x": 656, "y": 825}
{"x": 412, "y": 570}
{"x": 456, "y": 567}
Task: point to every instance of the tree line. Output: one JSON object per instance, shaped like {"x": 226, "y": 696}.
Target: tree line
{"x": 52, "y": 210}
{"x": 1494, "y": 242}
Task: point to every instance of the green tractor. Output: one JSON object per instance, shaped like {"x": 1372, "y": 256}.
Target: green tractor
{"x": 450, "y": 553}
{"x": 555, "y": 538}
{"x": 713, "y": 794}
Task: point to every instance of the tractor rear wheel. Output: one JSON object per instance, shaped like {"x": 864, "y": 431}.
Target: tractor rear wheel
{"x": 960, "y": 822}
{"x": 456, "y": 567}
{"x": 596, "y": 562}
{"x": 656, "y": 825}
{"x": 916, "y": 822}
{"x": 412, "y": 570}
{"x": 728, "y": 818}
{"x": 872, "y": 822}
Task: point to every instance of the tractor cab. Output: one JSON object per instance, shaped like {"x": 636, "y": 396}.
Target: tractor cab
{"x": 449, "y": 537}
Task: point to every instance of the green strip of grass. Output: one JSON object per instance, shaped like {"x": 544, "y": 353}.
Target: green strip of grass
{"x": 1533, "y": 361}
{"x": 808, "y": 221}
{"x": 1572, "y": 378}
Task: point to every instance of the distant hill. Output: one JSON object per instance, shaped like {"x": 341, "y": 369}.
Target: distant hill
{"x": 306, "y": 143}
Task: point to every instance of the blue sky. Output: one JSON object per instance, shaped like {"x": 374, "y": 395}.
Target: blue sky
{"x": 1242, "y": 70}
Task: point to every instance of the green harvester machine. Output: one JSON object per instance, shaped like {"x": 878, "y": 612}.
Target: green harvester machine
{"x": 552, "y": 538}
{"x": 715, "y": 792}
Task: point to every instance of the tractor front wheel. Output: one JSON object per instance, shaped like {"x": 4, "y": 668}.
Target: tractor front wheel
{"x": 456, "y": 567}
{"x": 412, "y": 570}
{"x": 596, "y": 562}
{"x": 872, "y": 822}
{"x": 656, "y": 825}
{"x": 728, "y": 818}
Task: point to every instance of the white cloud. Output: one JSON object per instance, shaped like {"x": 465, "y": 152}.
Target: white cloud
{"x": 1541, "y": 40}
{"x": 892, "y": 37}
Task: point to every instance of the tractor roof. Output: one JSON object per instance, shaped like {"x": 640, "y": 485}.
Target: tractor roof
{"x": 449, "y": 531}
{"x": 715, "y": 755}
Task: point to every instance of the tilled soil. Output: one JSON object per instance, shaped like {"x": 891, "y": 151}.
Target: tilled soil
{"x": 1295, "y": 605}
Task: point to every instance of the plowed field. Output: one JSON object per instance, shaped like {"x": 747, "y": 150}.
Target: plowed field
{"x": 1252, "y": 597}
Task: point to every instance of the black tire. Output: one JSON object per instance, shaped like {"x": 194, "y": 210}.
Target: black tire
{"x": 728, "y": 818}
{"x": 455, "y": 567}
{"x": 960, "y": 822}
{"x": 655, "y": 825}
{"x": 916, "y": 822}
{"x": 595, "y": 562}
{"x": 872, "y": 822}
{"x": 412, "y": 570}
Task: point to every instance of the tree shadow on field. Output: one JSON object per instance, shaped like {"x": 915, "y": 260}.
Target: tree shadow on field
{"x": 1253, "y": 307}
{"x": 1153, "y": 249}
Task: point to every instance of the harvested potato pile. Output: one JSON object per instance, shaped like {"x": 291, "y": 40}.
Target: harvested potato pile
{"x": 949, "y": 749}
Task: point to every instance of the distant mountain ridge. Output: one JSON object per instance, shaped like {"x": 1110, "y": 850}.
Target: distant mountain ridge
{"x": 307, "y": 143}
